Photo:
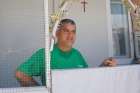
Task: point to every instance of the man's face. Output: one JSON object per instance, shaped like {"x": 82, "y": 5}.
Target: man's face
{"x": 66, "y": 35}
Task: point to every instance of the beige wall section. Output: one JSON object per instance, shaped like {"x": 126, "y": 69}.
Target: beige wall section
{"x": 92, "y": 33}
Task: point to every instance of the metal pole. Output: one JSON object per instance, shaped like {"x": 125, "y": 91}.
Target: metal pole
{"x": 47, "y": 49}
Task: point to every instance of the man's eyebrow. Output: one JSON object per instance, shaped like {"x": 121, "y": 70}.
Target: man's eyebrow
{"x": 74, "y": 31}
{"x": 69, "y": 30}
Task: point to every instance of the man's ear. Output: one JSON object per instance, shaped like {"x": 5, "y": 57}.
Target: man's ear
{"x": 56, "y": 36}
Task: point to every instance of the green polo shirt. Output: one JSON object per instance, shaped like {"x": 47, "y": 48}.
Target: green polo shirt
{"x": 35, "y": 65}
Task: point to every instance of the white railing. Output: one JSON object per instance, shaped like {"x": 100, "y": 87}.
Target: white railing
{"x": 123, "y": 79}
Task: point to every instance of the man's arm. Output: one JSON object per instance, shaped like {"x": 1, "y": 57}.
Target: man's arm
{"x": 82, "y": 60}
{"x": 31, "y": 67}
{"x": 109, "y": 62}
{"x": 25, "y": 80}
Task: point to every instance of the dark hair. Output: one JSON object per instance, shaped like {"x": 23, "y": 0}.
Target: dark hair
{"x": 66, "y": 21}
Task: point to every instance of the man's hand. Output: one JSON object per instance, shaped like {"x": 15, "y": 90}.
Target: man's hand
{"x": 110, "y": 62}
{"x": 25, "y": 80}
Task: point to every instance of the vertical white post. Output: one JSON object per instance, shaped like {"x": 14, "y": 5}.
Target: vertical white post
{"x": 47, "y": 48}
{"x": 109, "y": 28}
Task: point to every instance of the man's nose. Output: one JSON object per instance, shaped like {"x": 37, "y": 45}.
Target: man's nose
{"x": 71, "y": 34}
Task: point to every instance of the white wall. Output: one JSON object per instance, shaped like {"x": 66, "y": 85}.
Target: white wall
{"x": 21, "y": 33}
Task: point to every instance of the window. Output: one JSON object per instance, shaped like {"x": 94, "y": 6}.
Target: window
{"x": 137, "y": 44}
{"x": 120, "y": 29}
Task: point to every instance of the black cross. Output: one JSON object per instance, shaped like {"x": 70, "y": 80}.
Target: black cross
{"x": 84, "y": 5}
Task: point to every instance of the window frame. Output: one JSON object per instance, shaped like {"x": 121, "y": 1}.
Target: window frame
{"x": 130, "y": 53}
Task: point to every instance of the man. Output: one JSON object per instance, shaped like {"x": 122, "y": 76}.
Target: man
{"x": 63, "y": 56}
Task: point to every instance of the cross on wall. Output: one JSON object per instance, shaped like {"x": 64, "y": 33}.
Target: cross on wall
{"x": 84, "y": 2}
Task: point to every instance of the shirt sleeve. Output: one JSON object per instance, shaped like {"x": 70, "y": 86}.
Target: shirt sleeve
{"x": 82, "y": 60}
{"x": 33, "y": 66}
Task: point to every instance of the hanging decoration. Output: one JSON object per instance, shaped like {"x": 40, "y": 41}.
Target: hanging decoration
{"x": 134, "y": 7}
